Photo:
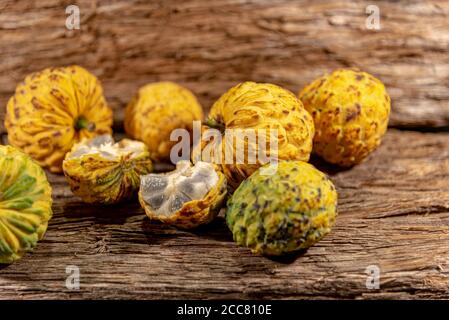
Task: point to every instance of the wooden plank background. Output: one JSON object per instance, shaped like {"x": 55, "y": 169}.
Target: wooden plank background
{"x": 211, "y": 45}
{"x": 394, "y": 208}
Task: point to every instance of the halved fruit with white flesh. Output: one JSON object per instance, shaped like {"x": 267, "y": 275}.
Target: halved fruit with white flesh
{"x": 104, "y": 172}
{"x": 187, "y": 197}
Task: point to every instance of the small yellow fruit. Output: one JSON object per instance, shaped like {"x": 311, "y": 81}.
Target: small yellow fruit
{"x": 103, "y": 172}
{"x": 25, "y": 204}
{"x": 187, "y": 197}
{"x": 52, "y": 110}
{"x": 350, "y": 109}
{"x": 265, "y": 108}
{"x": 157, "y": 110}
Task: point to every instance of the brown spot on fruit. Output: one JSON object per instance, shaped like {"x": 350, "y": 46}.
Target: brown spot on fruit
{"x": 36, "y": 104}
{"x": 44, "y": 142}
{"x": 57, "y": 96}
{"x": 353, "y": 113}
{"x": 320, "y": 83}
{"x": 359, "y": 77}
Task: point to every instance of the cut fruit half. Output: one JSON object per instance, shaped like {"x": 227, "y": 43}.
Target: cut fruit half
{"x": 106, "y": 147}
{"x": 187, "y": 197}
{"x": 104, "y": 172}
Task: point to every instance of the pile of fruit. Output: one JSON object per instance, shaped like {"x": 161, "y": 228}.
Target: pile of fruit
{"x": 58, "y": 119}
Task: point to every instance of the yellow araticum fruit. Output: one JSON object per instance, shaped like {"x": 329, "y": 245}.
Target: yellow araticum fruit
{"x": 53, "y": 109}
{"x": 186, "y": 197}
{"x": 264, "y": 108}
{"x": 350, "y": 109}
{"x": 155, "y": 111}
{"x": 103, "y": 172}
{"x": 289, "y": 210}
{"x": 25, "y": 204}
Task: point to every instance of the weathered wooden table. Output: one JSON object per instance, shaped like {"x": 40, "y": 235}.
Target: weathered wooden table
{"x": 393, "y": 208}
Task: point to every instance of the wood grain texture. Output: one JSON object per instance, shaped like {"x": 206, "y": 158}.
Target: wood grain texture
{"x": 211, "y": 45}
{"x": 393, "y": 213}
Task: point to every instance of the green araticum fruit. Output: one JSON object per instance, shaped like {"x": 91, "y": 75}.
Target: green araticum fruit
{"x": 289, "y": 210}
{"x": 25, "y": 204}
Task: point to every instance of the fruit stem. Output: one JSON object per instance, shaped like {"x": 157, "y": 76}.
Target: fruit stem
{"x": 215, "y": 124}
{"x": 83, "y": 123}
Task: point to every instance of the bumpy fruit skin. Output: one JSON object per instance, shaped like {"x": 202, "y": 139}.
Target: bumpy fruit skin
{"x": 262, "y": 107}
{"x": 350, "y": 109}
{"x": 196, "y": 212}
{"x": 155, "y": 111}
{"x": 99, "y": 180}
{"x": 25, "y": 204}
{"x": 280, "y": 213}
{"x": 53, "y": 109}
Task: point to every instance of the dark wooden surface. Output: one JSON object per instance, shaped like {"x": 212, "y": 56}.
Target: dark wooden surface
{"x": 393, "y": 213}
{"x": 394, "y": 208}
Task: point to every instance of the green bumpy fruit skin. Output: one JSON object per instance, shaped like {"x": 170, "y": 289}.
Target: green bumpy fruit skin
{"x": 25, "y": 204}
{"x": 284, "y": 212}
{"x": 350, "y": 109}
